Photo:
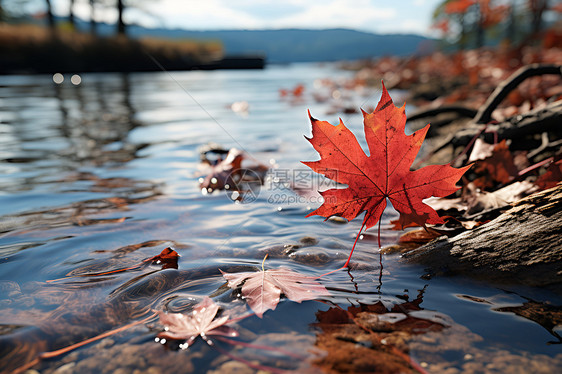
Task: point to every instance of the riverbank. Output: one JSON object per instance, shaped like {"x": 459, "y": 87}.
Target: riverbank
{"x": 28, "y": 49}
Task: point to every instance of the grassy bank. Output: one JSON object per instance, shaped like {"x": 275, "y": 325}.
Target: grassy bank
{"x": 33, "y": 49}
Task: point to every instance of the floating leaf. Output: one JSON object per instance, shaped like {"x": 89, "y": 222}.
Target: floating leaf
{"x": 263, "y": 289}
{"x": 385, "y": 174}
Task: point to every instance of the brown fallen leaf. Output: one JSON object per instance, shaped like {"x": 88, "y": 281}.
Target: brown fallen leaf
{"x": 419, "y": 236}
{"x": 481, "y": 150}
{"x": 200, "y": 322}
{"x": 497, "y": 168}
{"x": 479, "y": 201}
{"x": 167, "y": 254}
{"x": 398, "y": 226}
{"x": 223, "y": 174}
{"x": 454, "y": 226}
{"x": 230, "y": 175}
{"x": 444, "y": 204}
{"x": 552, "y": 175}
{"x": 455, "y": 206}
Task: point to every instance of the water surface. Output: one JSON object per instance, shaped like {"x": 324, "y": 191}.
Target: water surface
{"x": 104, "y": 174}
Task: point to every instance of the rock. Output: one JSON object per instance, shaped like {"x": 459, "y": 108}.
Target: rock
{"x": 66, "y": 368}
{"x": 308, "y": 240}
{"x": 232, "y": 367}
{"x": 311, "y": 256}
{"x": 105, "y": 343}
{"x": 523, "y": 245}
{"x": 153, "y": 370}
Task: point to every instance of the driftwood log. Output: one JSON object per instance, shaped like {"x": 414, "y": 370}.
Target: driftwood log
{"x": 459, "y": 110}
{"x": 523, "y": 245}
{"x": 484, "y": 115}
{"x": 535, "y": 122}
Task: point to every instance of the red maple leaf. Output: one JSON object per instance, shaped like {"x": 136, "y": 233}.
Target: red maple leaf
{"x": 384, "y": 174}
{"x": 263, "y": 289}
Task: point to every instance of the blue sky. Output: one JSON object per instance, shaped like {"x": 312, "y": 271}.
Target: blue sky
{"x": 402, "y": 16}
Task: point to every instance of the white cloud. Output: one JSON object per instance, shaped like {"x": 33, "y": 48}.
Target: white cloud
{"x": 359, "y": 14}
{"x": 413, "y": 26}
{"x": 250, "y": 14}
{"x": 207, "y": 14}
{"x": 367, "y": 15}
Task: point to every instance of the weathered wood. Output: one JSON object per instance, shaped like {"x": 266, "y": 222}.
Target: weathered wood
{"x": 523, "y": 245}
{"x": 537, "y": 121}
{"x": 484, "y": 115}
{"x": 459, "y": 110}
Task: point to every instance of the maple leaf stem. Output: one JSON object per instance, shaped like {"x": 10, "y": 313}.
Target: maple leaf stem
{"x": 535, "y": 166}
{"x": 379, "y": 235}
{"x": 355, "y": 243}
{"x": 51, "y": 354}
{"x": 346, "y": 265}
{"x": 330, "y": 272}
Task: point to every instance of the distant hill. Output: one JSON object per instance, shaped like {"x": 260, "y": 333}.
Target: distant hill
{"x": 294, "y": 45}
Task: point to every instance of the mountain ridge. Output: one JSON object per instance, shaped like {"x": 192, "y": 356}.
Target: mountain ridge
{"x": 292, "y": 44}
{"x": 302, "y": 45}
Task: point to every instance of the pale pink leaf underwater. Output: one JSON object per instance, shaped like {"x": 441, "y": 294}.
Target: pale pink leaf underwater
{"x": 200, "y": 322}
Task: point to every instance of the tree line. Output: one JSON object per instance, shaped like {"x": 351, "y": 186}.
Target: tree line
{"x": 471, "y": 22}
{"x": 13, "y": 9}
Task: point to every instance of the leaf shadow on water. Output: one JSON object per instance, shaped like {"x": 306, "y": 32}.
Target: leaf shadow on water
{"x": 544, "y": 314}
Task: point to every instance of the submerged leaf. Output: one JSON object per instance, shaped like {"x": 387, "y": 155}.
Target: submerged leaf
{"x": 168, "y": 258}
{"x": 200, "y": 322}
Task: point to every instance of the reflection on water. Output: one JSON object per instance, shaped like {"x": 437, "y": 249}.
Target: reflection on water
{"x": 93, "y": 120}
{"x": 70, "y": 123}
{"x": 101, "y": 175}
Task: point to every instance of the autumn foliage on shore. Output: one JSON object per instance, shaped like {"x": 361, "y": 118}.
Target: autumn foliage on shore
{"x": 466, "y": 76}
